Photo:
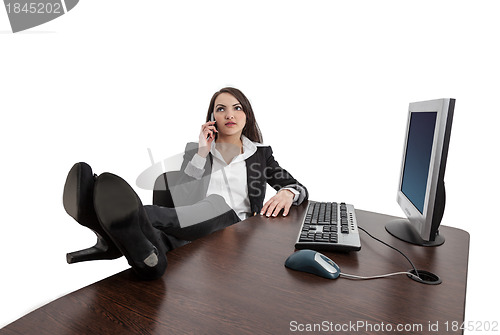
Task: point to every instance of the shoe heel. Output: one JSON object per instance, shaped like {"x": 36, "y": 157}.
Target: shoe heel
{"x": 101, "y": 250}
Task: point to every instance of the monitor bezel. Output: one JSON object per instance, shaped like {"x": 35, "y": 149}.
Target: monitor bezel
{"x": 427, "y": 222}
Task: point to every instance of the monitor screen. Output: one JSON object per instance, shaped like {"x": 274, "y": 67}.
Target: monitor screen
{"x": 418, "y": 157}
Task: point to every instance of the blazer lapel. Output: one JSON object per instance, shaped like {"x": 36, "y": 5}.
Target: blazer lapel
{"x": 254, "y": 174}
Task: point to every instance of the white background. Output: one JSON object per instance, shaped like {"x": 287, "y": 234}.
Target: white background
{"x": 110, "y": 79}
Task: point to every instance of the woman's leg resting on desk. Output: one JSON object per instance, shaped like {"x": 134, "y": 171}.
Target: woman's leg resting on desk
{"x": 144, "y": 234}
{"x": 192, "y": 222}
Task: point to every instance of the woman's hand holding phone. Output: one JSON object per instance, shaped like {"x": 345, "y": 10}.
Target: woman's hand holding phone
{"x": 207, "y": 136}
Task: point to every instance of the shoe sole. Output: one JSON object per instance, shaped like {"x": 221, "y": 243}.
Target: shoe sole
{"x": 71, "y": 194}
{"x": 119, "y": 211}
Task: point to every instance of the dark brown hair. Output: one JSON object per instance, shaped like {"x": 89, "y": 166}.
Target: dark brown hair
{"x": 251, "y": 129}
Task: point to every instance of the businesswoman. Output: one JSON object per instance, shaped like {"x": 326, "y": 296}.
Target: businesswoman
{"x": 222, "y": 180}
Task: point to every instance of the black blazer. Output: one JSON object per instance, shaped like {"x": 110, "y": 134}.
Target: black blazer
{"x": 261, "y": 167}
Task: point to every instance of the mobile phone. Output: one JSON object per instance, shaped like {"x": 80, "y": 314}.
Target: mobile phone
{"x": 212, "y": 118}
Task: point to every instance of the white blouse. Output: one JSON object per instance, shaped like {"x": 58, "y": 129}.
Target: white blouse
{"x": 229, "y": 180}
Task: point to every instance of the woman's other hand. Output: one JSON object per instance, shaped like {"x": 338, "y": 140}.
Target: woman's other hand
{"x": 207, "y": 136}
{"x": 280, "y": 201}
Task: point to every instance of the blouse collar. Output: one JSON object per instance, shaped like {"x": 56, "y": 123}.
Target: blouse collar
{"x": 249, "y": 148}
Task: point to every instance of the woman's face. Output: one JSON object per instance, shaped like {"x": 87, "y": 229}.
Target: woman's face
{"x": 229, "y": 115}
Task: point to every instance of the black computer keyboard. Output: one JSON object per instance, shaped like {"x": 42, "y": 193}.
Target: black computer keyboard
{"x": 329, "y": 226}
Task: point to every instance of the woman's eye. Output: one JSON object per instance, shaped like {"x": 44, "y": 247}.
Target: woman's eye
{"x": 220, "y": 109}
{"x": 238, "y": 108}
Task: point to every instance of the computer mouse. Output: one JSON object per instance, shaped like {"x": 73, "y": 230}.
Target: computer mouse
{"x": 313, "y": 262}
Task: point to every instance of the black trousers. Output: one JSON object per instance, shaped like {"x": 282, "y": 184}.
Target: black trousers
{"x": 184, "y": 224}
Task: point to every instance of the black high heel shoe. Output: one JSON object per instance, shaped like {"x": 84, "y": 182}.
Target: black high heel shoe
{"x": 123, "y": 217}
{"x": 78, "y": 201}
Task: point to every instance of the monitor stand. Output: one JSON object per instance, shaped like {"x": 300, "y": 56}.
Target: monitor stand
{"x": 402, "y": 229}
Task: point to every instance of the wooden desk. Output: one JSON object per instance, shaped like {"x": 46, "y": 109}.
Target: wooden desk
{"x": 234, "y": 282}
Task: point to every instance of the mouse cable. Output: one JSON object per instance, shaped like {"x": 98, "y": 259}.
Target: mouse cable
{"x": 349, "y": 276}
{"x": 390, "y": 246}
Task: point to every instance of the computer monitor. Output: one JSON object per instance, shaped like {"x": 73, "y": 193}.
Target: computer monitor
{"x": 421, "y": 192}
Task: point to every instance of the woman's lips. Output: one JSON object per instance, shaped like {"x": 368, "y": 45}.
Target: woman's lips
{"x": 230, "y": 124}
